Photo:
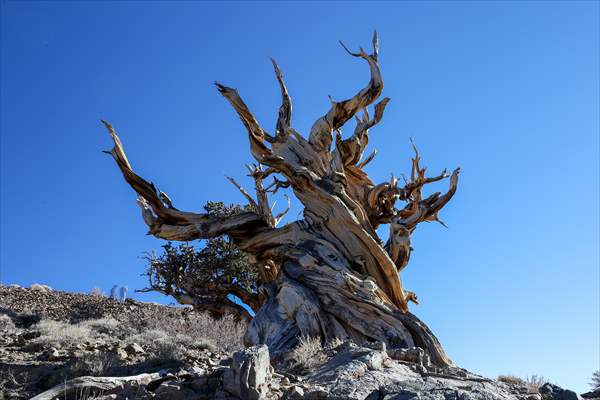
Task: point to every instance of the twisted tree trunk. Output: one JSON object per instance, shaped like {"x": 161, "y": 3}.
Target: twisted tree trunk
{"x": 329, "y": 274}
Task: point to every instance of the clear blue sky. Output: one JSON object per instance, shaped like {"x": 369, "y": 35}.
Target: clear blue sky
{"x": 506, "y": 90}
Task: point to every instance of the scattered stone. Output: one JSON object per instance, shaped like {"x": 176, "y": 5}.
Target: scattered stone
{"x": 134, "y": 349}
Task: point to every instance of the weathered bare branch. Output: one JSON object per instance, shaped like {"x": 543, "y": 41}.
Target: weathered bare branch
{"x": 282, "y": 214}
{"x": 257, "y": 135}
{"x": 244, "y": 192}
{"x": 170, "y": 223}
{"x": 367, "y": 160}
{"x": 404, "y": 223}
{"x": 284, "y": 120}
{"x": 341, "y": 112}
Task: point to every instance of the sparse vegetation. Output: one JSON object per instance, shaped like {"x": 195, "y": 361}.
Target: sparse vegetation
{"x": 532, "y": 383}
{"x": 511, "y": 380}
{"x": 6, "y": 324}
{"x": 94, "y": 364}
{"x": 61, "y": 334}
{"x": 307, "y": 355}
{"x": 40, "y": 287}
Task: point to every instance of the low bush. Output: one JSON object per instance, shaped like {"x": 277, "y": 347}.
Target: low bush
{"x": 94, "y": 364}
{"x": 6, "y": 324}
{"x": 532, "y": 383}
{"x": 62, "y": 335}
{"x": 308, "y": 355}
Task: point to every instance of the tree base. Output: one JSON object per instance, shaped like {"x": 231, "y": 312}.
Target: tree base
{"x": 321, "y": 302}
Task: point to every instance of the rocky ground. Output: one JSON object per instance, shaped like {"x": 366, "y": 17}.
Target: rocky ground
{"x": 56, "y": 345}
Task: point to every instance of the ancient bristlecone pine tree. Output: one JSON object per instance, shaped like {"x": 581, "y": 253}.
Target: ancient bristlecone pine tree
{"x": 328, "y": 274}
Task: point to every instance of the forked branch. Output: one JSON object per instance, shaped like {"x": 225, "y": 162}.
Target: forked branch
{"x": 352, "y": 149}
{"x": 261, "y": 204}
{"x": 341, "y": 112}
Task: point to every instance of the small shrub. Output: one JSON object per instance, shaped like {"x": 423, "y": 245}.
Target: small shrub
{"x": 308, "y": 354}
{"x": 7, "y": 324}
{"x": 60, "y": 334}
{"x": 335, "y": 342}
{"x": 40, "y": 287}
{"x": 512, "y": 380}
{"x": 224, "y": 333}
{"x": 534, "y": 383}
{"x": 105, "y": 326}
{"x": 169, "y": 347}
{"x": 94, "y": 364}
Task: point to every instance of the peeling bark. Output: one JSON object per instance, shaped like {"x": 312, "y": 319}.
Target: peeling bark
{"x": 328, "y": 274}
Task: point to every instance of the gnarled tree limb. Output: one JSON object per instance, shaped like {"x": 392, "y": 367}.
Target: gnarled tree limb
{"x": 170, "y": 223}
{"x": 341, "y": 112}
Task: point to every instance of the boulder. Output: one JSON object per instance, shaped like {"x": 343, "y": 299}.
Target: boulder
{"x": 550, "y": 391}
{"x": 249, "y": 374}
{"x": 594, "y": 394}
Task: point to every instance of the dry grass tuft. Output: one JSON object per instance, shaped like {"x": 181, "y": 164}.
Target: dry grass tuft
{"x": 308, "y": 355}
{"x": 94, "y": 364}
{"x": 532, "y": 383}
{"x": 6, "y": 324}
{"x": 63, "y": 335}
{"x": 511, "y": 380}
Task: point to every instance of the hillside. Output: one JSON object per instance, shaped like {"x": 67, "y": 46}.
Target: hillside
{"x": 49, "y": 336}
{"x": 76, "y": 346}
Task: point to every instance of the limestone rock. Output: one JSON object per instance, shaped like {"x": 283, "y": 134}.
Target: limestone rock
{"x": 249, "y": 374}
